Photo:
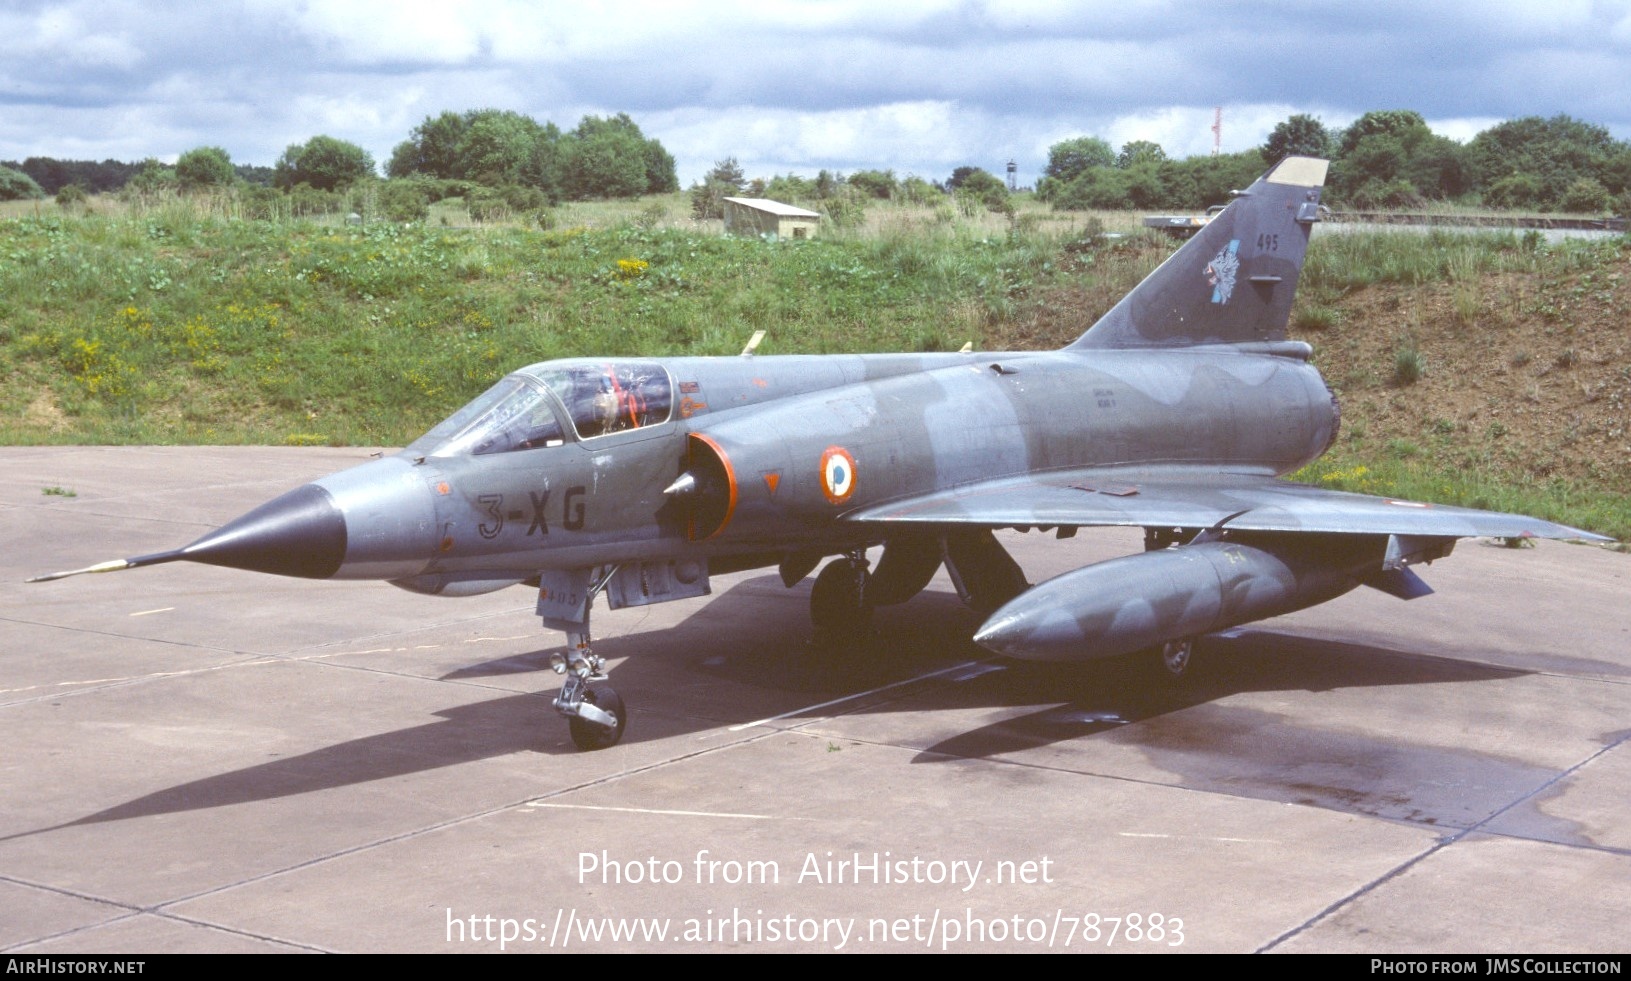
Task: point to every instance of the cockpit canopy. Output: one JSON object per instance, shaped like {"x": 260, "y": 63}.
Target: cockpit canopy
{"x": 546, "y": 404}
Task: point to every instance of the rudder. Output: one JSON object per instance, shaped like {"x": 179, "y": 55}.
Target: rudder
{"x": 1233, "y": 282}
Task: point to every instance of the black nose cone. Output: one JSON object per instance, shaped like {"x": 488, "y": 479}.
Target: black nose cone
{"x": 301, "y": 534}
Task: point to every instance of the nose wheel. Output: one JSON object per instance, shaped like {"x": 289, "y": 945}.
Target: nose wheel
{"x": 588, "y": 734}
{"x": 595, "y": 716}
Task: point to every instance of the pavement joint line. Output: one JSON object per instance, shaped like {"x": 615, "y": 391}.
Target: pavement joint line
{"x": 239, "y": 931}
{"x": 846, "y": 698}
{"x": 664, "y": 812}
{"x": 254, "y": 658}
{"x": 130, "y": 914}
{"x": 248, "y": 660}
{"x": 1123, "y": 778}
{"x": 87, "y": 512}
{"x": 162, "y": 908}
{"x": 126, "y": 911}
{"x": 136, "y": 912}
{"x": 1449, "y": 840}
{"x": 1576, "y": 845}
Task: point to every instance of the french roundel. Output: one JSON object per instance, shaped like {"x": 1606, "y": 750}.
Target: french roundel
{"x": 837, "y": 474}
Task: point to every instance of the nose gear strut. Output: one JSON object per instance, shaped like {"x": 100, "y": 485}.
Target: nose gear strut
{"x": 595, "y": 716}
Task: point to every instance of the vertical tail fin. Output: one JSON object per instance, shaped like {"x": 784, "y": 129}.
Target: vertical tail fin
{"x": 1233, "y": 282}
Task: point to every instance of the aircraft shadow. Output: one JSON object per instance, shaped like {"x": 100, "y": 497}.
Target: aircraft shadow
{"x": 1074, "y": 701}
{"x": 1095, "y": 697}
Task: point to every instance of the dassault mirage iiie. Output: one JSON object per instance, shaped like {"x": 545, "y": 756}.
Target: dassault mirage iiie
{"x": 639, "y": 478}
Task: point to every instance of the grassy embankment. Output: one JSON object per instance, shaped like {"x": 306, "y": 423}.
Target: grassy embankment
{"x": 168, "y": 326}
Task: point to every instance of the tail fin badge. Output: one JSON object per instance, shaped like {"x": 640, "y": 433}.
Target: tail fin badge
{"x": 1220, "y": 272}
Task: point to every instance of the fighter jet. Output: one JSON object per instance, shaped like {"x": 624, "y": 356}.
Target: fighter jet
{"x": 639, "y": 479}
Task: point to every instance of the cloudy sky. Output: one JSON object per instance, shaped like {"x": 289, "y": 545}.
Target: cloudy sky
{"x": 919, "y": 86}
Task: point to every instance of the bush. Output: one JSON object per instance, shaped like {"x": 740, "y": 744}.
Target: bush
{"x": 1398, "y": 193}
{"x": 323, "y": 162}
{"x": 875, "y": 183}
{"x": 788, "y": 188}
{"x": 205, "y": 166}
{"x": 1408, "y": 366}
{"x": 844, "y": 212}
{"x": 1315, "y": 319}
{"x": 404, "y": 200}
{"x": 259, "y": 203}
{"x": 1515, "y": 191}
{"x": 305, "y": 201}
{"x": 18, "y": 186}
{"x": 1586, "y": 196}
{"x": 1099, "y": 189}
{"x": 486, "y": 204}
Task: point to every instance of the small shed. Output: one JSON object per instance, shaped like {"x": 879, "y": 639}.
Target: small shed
{"x": 763, "y": 217}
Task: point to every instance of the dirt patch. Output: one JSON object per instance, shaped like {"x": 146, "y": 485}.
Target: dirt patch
{"x": 1521, "y": 377}
{"x": 44, "y": 414}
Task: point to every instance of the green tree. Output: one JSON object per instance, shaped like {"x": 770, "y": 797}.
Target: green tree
{"x": 323, "y": 162}
{"x": 500, "y": 147}
{"x": 708, "y": 198}
{"x": 604, "y": 164}
{"x": 1516, "y": 191}
{"x": 1140, "y": 152}
{"x": 1069, "y": 158}
{"x": 974, "y": 187}
{"x": 875, "y": 183}
{"x": 18, "y": 186}
{"x": 205, "y": 166}
{"x": 1298, "y": 136}
{"x": 708, "y": 195}
{"x": 1586, "y": 195}
{"x": 1556, "y": 152}
{"x": 1200, "y": 182}
{"x": 661, "y": 178}
{"x": 728, "y": 171}
{"x": 1097, "y": 189}
{"x": 434, "y": 147}
{"x": 1404, "y": 125}
{"x": 790, "y": 187}
{"x": 493, "y": 146}
{"x": 1438, "y": 168}
{"x": 609, "y": 158}
{"x": 1375, "y": 157}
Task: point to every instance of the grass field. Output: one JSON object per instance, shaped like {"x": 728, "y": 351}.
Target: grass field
{"x": 178, "y": 323}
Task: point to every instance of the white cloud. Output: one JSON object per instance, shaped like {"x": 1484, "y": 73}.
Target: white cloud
{"x": 1462, "y": 130}
{"x": 917, "y": 85}
{"x": 367, "y": 31}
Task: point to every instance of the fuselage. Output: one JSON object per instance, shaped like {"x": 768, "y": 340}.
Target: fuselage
{"x": 782, "y": 447}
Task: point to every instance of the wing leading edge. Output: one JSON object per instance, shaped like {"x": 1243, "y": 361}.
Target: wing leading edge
{"x": 1242, "y": 502}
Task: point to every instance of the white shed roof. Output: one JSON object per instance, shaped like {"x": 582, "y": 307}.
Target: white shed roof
{"x": 774, "y": 207}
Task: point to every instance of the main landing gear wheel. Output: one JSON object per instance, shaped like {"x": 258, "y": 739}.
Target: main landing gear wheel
{"x": 587, "y": 735}
{"x": 1172, "y": 660}
{"x": 838, "y": 604}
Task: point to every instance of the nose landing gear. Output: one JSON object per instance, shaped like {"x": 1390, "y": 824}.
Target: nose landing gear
{"x": 595, "y": 716}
